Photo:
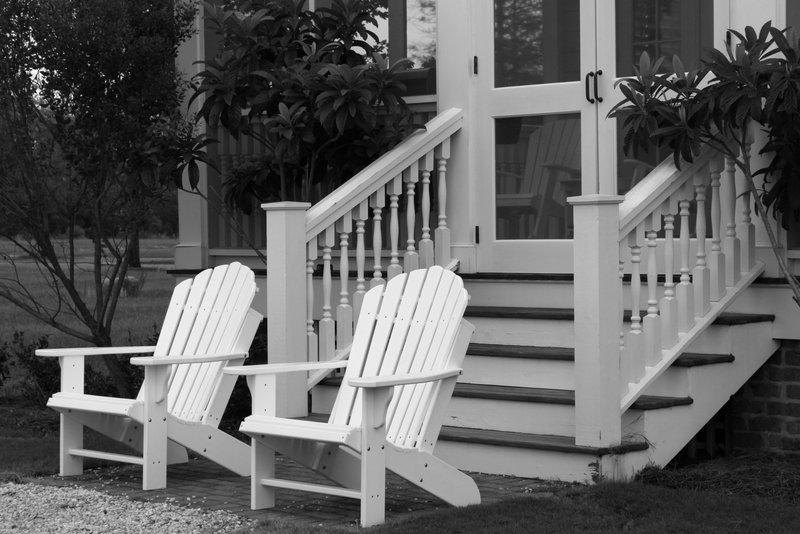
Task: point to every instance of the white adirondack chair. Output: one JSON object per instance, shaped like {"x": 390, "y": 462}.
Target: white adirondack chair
{"x": 405, "y": 358}
{"x": 209, "y": 323}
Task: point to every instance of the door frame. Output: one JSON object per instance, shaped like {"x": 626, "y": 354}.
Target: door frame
{"x": 527, "y": 255}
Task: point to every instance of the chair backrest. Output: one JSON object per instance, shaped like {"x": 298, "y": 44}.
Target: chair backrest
{"x": 408, "y": 326}
{"x": 209, "y": 314}
{"x": 555, "y": 143}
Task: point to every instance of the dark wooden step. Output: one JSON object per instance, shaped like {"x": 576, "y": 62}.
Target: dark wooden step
{"x": 508, "y": 312}
{"x": 533, "y": 441}
{"x": 687, "y": 359}
{"x": 555, "y": 396}
{"x": 694, "y": 359}
{"x": 568, "y": 314}
{"x": 521, "y": 351}
{"x": 519, "y": 277}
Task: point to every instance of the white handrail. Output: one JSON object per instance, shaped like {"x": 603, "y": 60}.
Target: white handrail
{"x": 383, "y": 170}
{"x": 654, "y": 188}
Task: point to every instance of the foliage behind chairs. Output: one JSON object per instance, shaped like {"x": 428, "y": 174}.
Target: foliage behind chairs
{"x": 91, "y": 139}
{"x": 754, "y": 83}
{"x": 308, "y": 86}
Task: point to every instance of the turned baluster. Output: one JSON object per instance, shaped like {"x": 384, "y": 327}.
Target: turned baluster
{"x": 685, "y": 290}
{"x": 716, "y": 258}
{"x": 377, "y": 202}
{"x": 700, "y": 275}
{"x": 746, "y": 230}
{"x": 411, "y": 258}
{"x": 360, "y": 215}
{"x": 634, "y": 339}
{"x": 652, "y": 321}
{"x": 668, "y": 305}
{"x": 425, "y": 243}
{"x": 731, "y": 244}
{"x": 327, "y": 327}
{"x": 442, "y": 233}
{"x": 395, "y": 189}
{"x": 344, "y": 311}
{"x": 311, "y": 336}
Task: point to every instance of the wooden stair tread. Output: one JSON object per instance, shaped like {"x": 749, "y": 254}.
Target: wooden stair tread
{"x": 687, "y": 359}
{"x": 554, "y": 396}
{"x": 521, "y": 351}
{"x": 517, "y": 312}
{"x": 532, "y": 441}
{"x": 694, "y": 359}
{"x": 519, "y": 277}
{"x": 568, "y": 314}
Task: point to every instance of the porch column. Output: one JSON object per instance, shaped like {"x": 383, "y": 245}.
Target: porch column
{"x": 456, "y": 81}
{"x": 597, "y": 301}
{"x": 286, "y": 300}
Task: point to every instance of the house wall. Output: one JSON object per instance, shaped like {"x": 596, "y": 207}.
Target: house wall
{"x": 764, "y": 414}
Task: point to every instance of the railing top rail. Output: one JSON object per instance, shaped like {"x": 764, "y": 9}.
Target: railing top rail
{"x": 380, "y": 172}
{"x": 654, "y": 189}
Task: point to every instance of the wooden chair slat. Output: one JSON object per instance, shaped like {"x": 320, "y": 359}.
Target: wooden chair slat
{"x": 431, "y": 341}
{"x": 188, "y": 373}
{"x": 202, "y": 384}
{"x": 343, "y": 405}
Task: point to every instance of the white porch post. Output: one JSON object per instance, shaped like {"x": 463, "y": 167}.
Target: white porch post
{"x": 597, "y": 321}
{"x": 286, "y": 300}
{"x": 456, "y": 85}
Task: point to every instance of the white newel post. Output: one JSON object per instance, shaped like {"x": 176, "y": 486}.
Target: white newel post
{"x": 286, "y": 300}
{"x": 597, "y": 325}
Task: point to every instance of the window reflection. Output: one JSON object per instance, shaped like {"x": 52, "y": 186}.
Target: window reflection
{"x": 537, "y": 166}
{"x": 536, "y": 41}
{"x": 662, "y": 28}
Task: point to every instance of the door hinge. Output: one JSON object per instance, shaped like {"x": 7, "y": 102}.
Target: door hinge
{"x": 474, "y": 64}
{"x": 477, "y": 235}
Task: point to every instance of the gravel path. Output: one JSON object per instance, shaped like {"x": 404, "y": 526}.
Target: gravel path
{"x": 67, "y": 509}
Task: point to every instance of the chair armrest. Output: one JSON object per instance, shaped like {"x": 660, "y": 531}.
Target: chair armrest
{"x": 401, "y": 380}
{"x": 171, "y": 360}
{"x": 281, "y": 368}
{"x": 92, "y": 351}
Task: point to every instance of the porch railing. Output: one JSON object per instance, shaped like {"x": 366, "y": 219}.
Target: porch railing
{"x": 669, "y": 257}
{"x": 395, "y": 191}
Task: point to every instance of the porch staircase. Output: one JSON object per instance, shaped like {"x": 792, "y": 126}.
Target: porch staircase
{"x": 648, "y": 355}
{"x": 512, "y": 411}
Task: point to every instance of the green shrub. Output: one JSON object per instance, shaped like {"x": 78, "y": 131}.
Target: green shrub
{"x": 42, "y": 376}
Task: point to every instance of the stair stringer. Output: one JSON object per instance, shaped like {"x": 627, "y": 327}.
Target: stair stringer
{"x": 667, "y": 431}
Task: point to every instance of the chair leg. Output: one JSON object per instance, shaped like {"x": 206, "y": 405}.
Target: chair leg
{"x": 154, "y": 444}
{"x": 262, "y": 459}
{"x": 71, "y": 438}
{"x": 373, "y": 455}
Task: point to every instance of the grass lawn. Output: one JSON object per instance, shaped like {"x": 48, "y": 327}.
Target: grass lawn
{"x": 135, "y": 316}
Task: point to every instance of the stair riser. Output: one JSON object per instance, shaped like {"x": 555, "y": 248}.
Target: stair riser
{"x": 526, "y": 372}
{"x": 543, "y": 294}
{"x": 520, "y": 293}
{"x": 550, "y": 465}
{"x": 322, "y": 398}
{"x": 538, "y": 332}
{"x": 674, "y": 382}
{"x": 529, "y": 417}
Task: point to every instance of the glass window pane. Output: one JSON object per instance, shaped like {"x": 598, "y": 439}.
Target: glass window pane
{"x": 536, "y": 41}
{"x": 421, "y": 32}
{"x": 537, "y": 166}
{"x": 662, "y": 28}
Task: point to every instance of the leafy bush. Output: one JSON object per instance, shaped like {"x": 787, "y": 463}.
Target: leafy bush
{"x": 306, "y": 85}
{"x": 43, "y": 375}
{"x": 754, "y": 83}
